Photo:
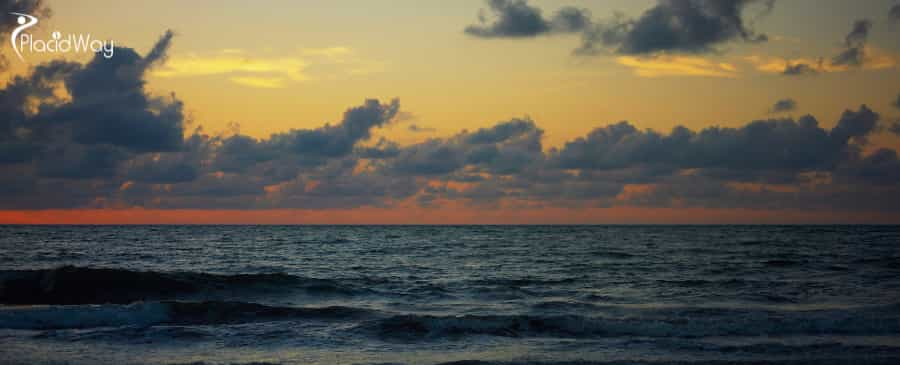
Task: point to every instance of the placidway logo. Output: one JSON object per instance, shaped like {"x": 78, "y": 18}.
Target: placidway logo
{"x": 70, "y": 43}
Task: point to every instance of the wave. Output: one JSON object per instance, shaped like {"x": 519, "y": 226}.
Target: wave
{"x": 81, "y": 285}
{"x": 419, "y": 327}
{"x": 869, "y": 360}
{"x": 700, "y": 324}
{"x": 144, "y": 314}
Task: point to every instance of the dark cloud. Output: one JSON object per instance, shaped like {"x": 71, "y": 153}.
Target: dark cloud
{"x": 690, "y": 26}
{"x": 854, "y": 45}
{"x": 855, "y": 125}
{"x": 775, "y": 144}
{"x": 514, "y": 18}
{"x": 31, "y": 7}
{"x": 570, "y": 20}
{"x": 506, "y": 148}
{"x": 517, "y": 19}
{"x": 798, "y": 69}
{"x": 306, "y": 147}
{"x": 783, "y": 105}
{"x": 894, "y": 13}
{"x": 112, "y": 144}
{"x": 879, "y": 168}
{"x": 107, "y": 118}
{"x": 110, "y": 106}
{"x": 894, "y": 128}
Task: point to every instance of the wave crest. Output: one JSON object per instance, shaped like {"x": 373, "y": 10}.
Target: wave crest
{"x": 79, "y": 285}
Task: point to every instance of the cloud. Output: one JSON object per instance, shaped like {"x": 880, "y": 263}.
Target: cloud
{"x": 873, "y": 59}
{"x": 271, "y": 72}
{"x": 774, "y": 144}
{"x": 72, "y": 147}
{"x": 671, "y": 26}
{"x": 106, "y": 106}
{"x": 894, "y": 128}
{"x": 517, "y": 19}
{"x": 108, "y": 143}
{"x": 896, "y": 103}
{"x": 783, "y": 105}
{"x": 664, "y": 65}
{"x": 675, "y": 26}
{"x": 854, "y": 53}
{"x": 306, "y": 147}
{"x": 799, "y": 68}
{"x": 894, "y": 13}
{"x": 242, "y": 70}
{"x": 507, "y": 147}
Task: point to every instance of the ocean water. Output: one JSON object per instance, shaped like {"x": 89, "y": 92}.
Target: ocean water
{"x": 431, "y": 295}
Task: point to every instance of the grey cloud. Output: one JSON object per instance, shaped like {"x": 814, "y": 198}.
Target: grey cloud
{"x": 777, "y": 144}
{"x": 854, "y": 45}
{"x": 895, "y": 128}
{"x": 382, "y": 150}
{"x": 77, "y": 161}
{"x": 108, "y": 118}
{"x": 570, "y": 20}
{"x": 894, "y": 13}
{"x": 517, "y": 19}
{"x": 798, "y": 69}
{"x": 307, "y": 147}
{"x": 506, "y": 148}
{"x": 110, "y": 106}
{"x": 882, "y": 167}
{"x": 783, "y": 105}
{"x": 338, "y": 140}
{"x": 31, "y": 7}
{"x": 690, "y": 26}
{"x": 855, "y": 125}
{"x": 57, "y": 156}
{"x": 170, "y": 167}
{"x": 514, "y": 18}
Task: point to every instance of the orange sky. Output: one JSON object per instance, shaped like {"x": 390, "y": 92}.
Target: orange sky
{"x": 620, "y": 215}
{"x": 272, "y": 67}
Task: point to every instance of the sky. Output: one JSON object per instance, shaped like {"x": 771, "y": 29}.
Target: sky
{"x": 436, "y": 112}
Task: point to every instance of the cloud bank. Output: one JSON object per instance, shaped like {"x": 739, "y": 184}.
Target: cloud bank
{"x": 90, "y": 136}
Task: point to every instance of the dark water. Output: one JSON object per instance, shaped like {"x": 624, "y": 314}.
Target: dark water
{"x": 426, "y": 295}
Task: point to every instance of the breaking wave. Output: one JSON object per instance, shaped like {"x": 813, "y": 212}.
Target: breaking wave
{"x": 79, "y": 285}
{"x": 144, "y": 314}
{"x": 752, "y": 323}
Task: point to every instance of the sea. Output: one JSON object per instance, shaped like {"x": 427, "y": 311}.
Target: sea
{"x": 449, "y": 295}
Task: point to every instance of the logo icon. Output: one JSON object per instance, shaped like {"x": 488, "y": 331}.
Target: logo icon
{"x": 25, "y": 21}
{"x": 23, "y": 41}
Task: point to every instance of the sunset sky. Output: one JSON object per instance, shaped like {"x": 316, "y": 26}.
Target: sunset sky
{"x": 500, "y": 111}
